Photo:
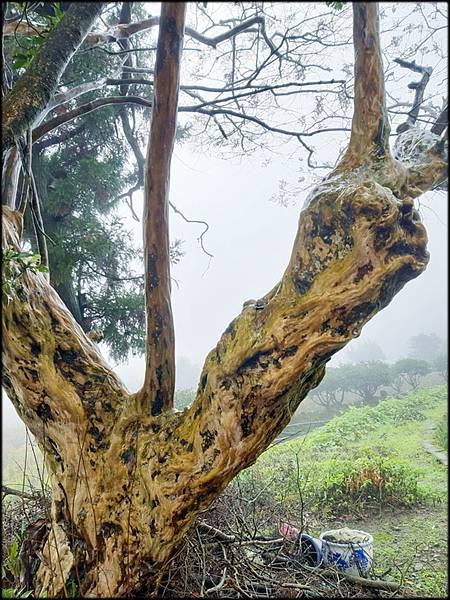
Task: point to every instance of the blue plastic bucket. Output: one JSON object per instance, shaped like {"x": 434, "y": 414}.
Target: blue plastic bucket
{"x": 311, "y": 548}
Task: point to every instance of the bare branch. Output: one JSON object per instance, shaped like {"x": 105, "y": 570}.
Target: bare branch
{"x": 84, "y": 109}
{"x": 441, "y": 122}
{"x": 419, "y": 86}
{"x": 71, "y": 94}
{"x": 59, "y": 139}
{"x": 126, "y": 30}
{"x": 200, "y": 238}
{"x": 140, "y": 160}
{"x": 226, "y": 111}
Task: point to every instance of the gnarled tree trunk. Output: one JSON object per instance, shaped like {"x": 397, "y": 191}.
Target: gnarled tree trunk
{"x": 129, "y": 475}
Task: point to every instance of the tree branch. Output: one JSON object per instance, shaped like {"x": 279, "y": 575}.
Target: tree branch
{"x": 441, "y": 122}
{"x": 71, "y": 94}
{"x": 7, "y": 491}
{"x": 355, "y": 239}
{"x": 10, "y": 177}
{"x": 200, "y": 238}
{"x": 31, "y": 94}
{"x": 426, "y": 161}
{"x": 419, "y": 86}
{"x": 124, "y": 31}
{"x": 84, "y": 109}
{"x": 64, "y": 375}
{"x": 62, "y": 137}
{"x": 369, "y": 138}
{"x": 233, "y": 113}
{"x": 156, "y": 395}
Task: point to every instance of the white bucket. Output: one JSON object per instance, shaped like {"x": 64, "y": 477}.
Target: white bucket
{"x": 353, "y": 557}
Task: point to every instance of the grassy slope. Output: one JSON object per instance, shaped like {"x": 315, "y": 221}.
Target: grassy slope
{"x": 410, "y": 541}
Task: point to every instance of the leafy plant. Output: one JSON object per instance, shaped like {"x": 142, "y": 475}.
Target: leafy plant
{"x": 372, "y": 479}
{"x": 23, "y": 59}
{"x": 12, "y": 593}
{"x": 14, "y": 264}
{"x": 336, "y": 5}
{"x": 12, "y": 562}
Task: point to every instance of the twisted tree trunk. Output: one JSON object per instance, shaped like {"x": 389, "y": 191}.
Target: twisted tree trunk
{"x": 128, "y": 480}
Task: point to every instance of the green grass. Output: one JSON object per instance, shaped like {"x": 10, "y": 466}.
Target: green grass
{"x": 413, "y": 545}
{"x": 441, "y": 437}
{"x": 367, "y": 456}
{"x": 363, "y": 446}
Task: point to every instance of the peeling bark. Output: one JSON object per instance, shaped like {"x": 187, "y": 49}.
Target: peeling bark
{"x": 127, "y": 485}
{"x": 370, "y": 125}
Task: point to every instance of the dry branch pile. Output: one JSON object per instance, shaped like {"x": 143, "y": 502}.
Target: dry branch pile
{"x": 226, "y": 556}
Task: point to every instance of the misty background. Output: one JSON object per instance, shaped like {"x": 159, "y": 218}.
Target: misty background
{"x": 251, "y": 237}
{"x": 252, "y": 205}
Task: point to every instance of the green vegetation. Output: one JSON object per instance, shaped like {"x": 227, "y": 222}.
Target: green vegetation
{"x": 442, "y": 433}
{"x": 368, "y": 469}
{"x": 412, "y": 544}
{"x": 367, "y": 456}
{"x": 14, "y": 264}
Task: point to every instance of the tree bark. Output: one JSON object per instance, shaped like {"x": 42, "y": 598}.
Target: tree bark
{"x": 128, "y": 483}
{"x": 29, "y": 97}
{"x": 159, "y": 382}
{"x": 370, "y": 125}
{"x": 10, "y": 177}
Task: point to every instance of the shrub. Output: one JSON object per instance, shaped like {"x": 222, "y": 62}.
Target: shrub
{"x": 442, "y": 433}
{"x": 331, "y": 470}
{"x": 371, "y": 480}
{"x": 339, "y": 485}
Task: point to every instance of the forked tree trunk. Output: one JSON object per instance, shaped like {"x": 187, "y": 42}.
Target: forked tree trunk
{"x": 128, "y": 484}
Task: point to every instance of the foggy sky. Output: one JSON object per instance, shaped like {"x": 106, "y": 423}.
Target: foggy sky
{"x": 251, "y": 239}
